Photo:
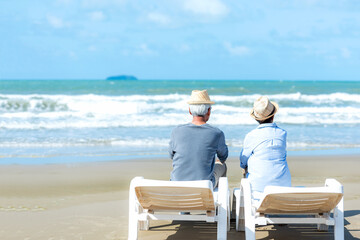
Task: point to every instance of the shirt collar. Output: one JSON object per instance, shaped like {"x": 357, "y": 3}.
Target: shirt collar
{"x": 264, "y": 125}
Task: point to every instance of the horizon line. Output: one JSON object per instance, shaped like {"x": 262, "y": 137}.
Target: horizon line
{"x": 169, "y": 79}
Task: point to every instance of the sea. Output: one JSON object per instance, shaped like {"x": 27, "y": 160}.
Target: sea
{"x": 73, "y": 121}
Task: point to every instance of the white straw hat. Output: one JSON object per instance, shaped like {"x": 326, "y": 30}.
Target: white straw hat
{"x": 200, "y": 97}
{"x": 263, "y": 109}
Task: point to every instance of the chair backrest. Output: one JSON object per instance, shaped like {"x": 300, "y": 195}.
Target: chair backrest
{"x": 299, "y": 200}
{"x": 175, "y": 195}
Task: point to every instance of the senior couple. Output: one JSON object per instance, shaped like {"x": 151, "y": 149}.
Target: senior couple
{"x": 194, "y": 146}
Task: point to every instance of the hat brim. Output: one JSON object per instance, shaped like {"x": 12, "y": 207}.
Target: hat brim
{"x": 262, "y": 119}
{"x": 200, "y": 102}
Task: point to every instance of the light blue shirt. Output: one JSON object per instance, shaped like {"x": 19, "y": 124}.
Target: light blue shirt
{"x": 264, "y": 154}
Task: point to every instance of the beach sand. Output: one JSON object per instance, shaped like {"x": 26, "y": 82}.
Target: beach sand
{"x": 90, "y": 200}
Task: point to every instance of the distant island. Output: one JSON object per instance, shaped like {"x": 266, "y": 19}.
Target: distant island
{"x": 122, "y": 77}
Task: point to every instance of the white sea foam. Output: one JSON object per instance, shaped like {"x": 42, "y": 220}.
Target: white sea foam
{"x": 299, "y": 145}
{"x": 146, "y": 142}
{"x": 160, "y": 144}
{"x": 295, "y": 97}
{"x": 98, "y": 111}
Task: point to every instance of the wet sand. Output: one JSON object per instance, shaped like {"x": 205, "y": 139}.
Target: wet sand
{"x": 90, "y": 200}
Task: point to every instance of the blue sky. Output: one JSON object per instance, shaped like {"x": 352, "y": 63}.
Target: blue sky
{"x": 180, "y": 39}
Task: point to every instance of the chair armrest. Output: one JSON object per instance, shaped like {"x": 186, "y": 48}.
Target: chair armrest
{"x": 223, "y": 189}
{"x": 334, "y": 184}
{"x": 246, "y": 192}
{"x": 245, "y": 185}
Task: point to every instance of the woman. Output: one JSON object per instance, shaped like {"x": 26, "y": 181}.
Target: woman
{"x": 264, "y": 152}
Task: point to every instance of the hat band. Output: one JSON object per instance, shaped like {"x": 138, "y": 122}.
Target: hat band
{"x": 266, "y": 117}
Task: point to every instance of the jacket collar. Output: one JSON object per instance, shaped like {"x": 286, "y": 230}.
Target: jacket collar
{"x": 264, "y": 125}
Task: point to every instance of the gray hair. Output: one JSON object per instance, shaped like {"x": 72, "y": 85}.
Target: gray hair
{"x": 199, "y": 109}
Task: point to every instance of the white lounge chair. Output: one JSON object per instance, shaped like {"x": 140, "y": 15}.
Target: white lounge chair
{"x": 290, "y": 205}
{"x": 164, "y": 200}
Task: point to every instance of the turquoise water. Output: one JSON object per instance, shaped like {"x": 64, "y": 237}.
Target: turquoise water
{"x": 88, "y": 120}
{"x": 154, "y": 87}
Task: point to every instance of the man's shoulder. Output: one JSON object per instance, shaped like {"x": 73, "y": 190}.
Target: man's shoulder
{"x": 281, "y": 129}
{"x": 282, "y": 132}
{"x": 257, "y": 131}
{"x": 251, "y": 133}
{"x": 191, "y": 126}
{"x": 213, "y": 128}
{"x": 181, "y": 127}
{"x": 185, "y": 125}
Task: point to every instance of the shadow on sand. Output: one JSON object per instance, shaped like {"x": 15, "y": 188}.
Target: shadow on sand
{"x": 203, "y": 230}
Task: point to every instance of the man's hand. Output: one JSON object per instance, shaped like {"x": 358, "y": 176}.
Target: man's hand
{"x": 245, "y": 172}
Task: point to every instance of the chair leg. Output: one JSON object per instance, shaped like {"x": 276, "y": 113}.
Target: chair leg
{"x": 133, "y": 211}
{"x": 249, "y": 225}
{"x": 249, "y": 231}
{"x": 223, "y": 199}
{"x": 233, "y": 204}
{"x": 241, "y": 212}
{"x": 228, "y": 212}
{"x": 143, "y": 225}
{"x": 239, "y": 209}
{"x": 323, "y": 227}
{"x": 249, "y": 215}
{"x": 133, "y": 229}
{"x": 339, "y": 220}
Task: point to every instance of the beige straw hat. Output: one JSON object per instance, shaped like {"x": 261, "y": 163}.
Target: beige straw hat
{"x": 200, "y": 97}
{"x": 263, "y": 109}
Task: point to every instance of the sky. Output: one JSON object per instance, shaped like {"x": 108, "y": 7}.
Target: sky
{"x": 180, "y": 39}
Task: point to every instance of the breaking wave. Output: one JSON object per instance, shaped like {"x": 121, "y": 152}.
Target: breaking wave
{"x": 99, "y": 111}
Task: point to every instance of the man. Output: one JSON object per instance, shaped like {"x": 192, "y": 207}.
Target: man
{"x": 193, "y": 146}
{"x": 264, "y": 151}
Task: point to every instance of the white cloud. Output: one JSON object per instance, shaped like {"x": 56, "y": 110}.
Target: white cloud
{"x": 64, "y": 2}
{"x": 102, "y": 3}
{"x": 237, "y": 50}
{"x": 143, "y": 49}
{"x": 97, "y": 16}
{"x": 92, "y": 48}
{"x": 158, "y": 18}
{"x": 55, "y": 22}
{"x": 72, "y": 55}
{"x": 184, "y": 48}
{"x": 206, "y": 7}
{"x": 345, "y": 52}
